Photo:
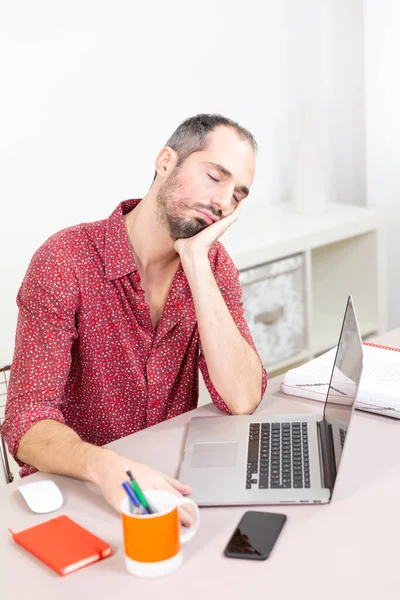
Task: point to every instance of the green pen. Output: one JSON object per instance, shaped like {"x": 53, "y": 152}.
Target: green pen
{"x": 138, "y": 491}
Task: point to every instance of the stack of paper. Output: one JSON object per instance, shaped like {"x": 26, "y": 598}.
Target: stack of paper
{"x": 379, "y": 389}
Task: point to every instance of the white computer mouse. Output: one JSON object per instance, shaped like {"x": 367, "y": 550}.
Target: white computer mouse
{"x": 42, "y": 496}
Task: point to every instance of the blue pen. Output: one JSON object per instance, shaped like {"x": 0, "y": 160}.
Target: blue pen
{"x": 132, "y": 497}
{"x": 138, "y": 492}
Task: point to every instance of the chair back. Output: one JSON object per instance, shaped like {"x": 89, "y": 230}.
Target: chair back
{"x": 4, "y": 376}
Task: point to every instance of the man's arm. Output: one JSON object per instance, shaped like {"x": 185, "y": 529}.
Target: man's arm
{"x": 52, "y": 447}
{"x": 234, "y": 367}
{"x": 34, "y": 427}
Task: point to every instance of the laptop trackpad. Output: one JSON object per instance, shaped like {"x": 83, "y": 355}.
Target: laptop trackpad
{"x": 214, "y": 454}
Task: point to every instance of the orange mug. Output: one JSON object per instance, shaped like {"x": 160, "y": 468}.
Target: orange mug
{"x": 153, "y": 542}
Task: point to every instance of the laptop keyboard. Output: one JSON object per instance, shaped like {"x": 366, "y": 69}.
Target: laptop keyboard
{"x": 278, "y": 456}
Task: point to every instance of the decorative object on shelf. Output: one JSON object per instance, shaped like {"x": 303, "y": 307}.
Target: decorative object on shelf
{"x": 273, "y": 299}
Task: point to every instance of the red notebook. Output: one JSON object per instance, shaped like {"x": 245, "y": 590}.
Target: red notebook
{"x": 62, "y": 544}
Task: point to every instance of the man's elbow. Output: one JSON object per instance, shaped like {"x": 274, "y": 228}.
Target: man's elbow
{"x": 240, "y": 410}
{"x": 244, "y": 407}
{"x": 246, "y": 401}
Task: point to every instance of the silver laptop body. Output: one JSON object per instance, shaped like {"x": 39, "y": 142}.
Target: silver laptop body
{"x": 287, "y": 458}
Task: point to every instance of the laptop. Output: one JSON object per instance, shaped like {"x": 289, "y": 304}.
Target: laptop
{"x": 284, "y": 459}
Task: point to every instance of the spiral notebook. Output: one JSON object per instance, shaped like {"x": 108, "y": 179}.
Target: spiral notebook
{"x": 62, "y": 544}
{"x": 379, "y": 390}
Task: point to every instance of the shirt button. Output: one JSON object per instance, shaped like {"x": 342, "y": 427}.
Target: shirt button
{"x": 155, "y": 403}
{"x": 136, "y": 278}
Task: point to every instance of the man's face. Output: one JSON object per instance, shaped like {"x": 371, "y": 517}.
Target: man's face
{"x": 208, "y": 186}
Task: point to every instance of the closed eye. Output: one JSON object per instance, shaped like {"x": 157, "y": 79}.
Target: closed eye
{"x": 218, "y": 181}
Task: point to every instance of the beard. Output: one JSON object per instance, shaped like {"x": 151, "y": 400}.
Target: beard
{"x": 171, "y": 204}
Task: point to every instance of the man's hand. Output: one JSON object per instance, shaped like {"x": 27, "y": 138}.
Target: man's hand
{"x": 200, "y": 244}
{"x": 110, "y": 473}
{"x": 233, "y": 366}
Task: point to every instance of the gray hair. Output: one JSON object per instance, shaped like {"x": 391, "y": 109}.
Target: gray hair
{"x": 192, "y": 135}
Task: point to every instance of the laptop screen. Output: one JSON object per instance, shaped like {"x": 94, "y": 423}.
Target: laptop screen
{"x": 346, "y": 374}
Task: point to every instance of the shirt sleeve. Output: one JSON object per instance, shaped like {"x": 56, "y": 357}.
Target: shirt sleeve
{"x": 227, "y": 278}
{"x": 47, "y": 301}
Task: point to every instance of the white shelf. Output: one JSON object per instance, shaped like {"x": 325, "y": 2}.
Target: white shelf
{"x": 269, "y": 232}
{"x": 343, "y": 250}
{"x": 327, "y": 329}
{"x": 288, "y": 362}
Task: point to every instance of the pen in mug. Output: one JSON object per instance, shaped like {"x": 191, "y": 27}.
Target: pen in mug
{"x": 132, "y": 497}
{"x": 139, "y": 492}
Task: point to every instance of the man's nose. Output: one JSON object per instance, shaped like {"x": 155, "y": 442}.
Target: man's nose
{"x": 223, "y": 202}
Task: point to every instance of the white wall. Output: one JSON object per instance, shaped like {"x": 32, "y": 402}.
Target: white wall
{"x": 92, "y": 90}
{"x": 382, "y": 51}
{"x": 327, "y": 39}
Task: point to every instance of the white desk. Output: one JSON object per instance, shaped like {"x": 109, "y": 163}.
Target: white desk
{"x": 347, "y": 549}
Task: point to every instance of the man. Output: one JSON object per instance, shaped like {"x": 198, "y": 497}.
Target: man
{"x": 117, "y": 316}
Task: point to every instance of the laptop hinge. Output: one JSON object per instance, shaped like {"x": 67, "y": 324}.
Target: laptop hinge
{"x": 327, "y": 454}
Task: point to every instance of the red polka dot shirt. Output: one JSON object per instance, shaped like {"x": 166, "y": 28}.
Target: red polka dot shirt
{"x": 86, "y": 352}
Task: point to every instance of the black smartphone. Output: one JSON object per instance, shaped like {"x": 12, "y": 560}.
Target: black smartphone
{"x": 255, "y": 535}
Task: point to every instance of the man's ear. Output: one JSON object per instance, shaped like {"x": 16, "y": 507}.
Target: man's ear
{"x": 166, "y": 162}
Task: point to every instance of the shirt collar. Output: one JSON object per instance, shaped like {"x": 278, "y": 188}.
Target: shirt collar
{"x": 119, "y": 261}
{"x": 118, "y": 257}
